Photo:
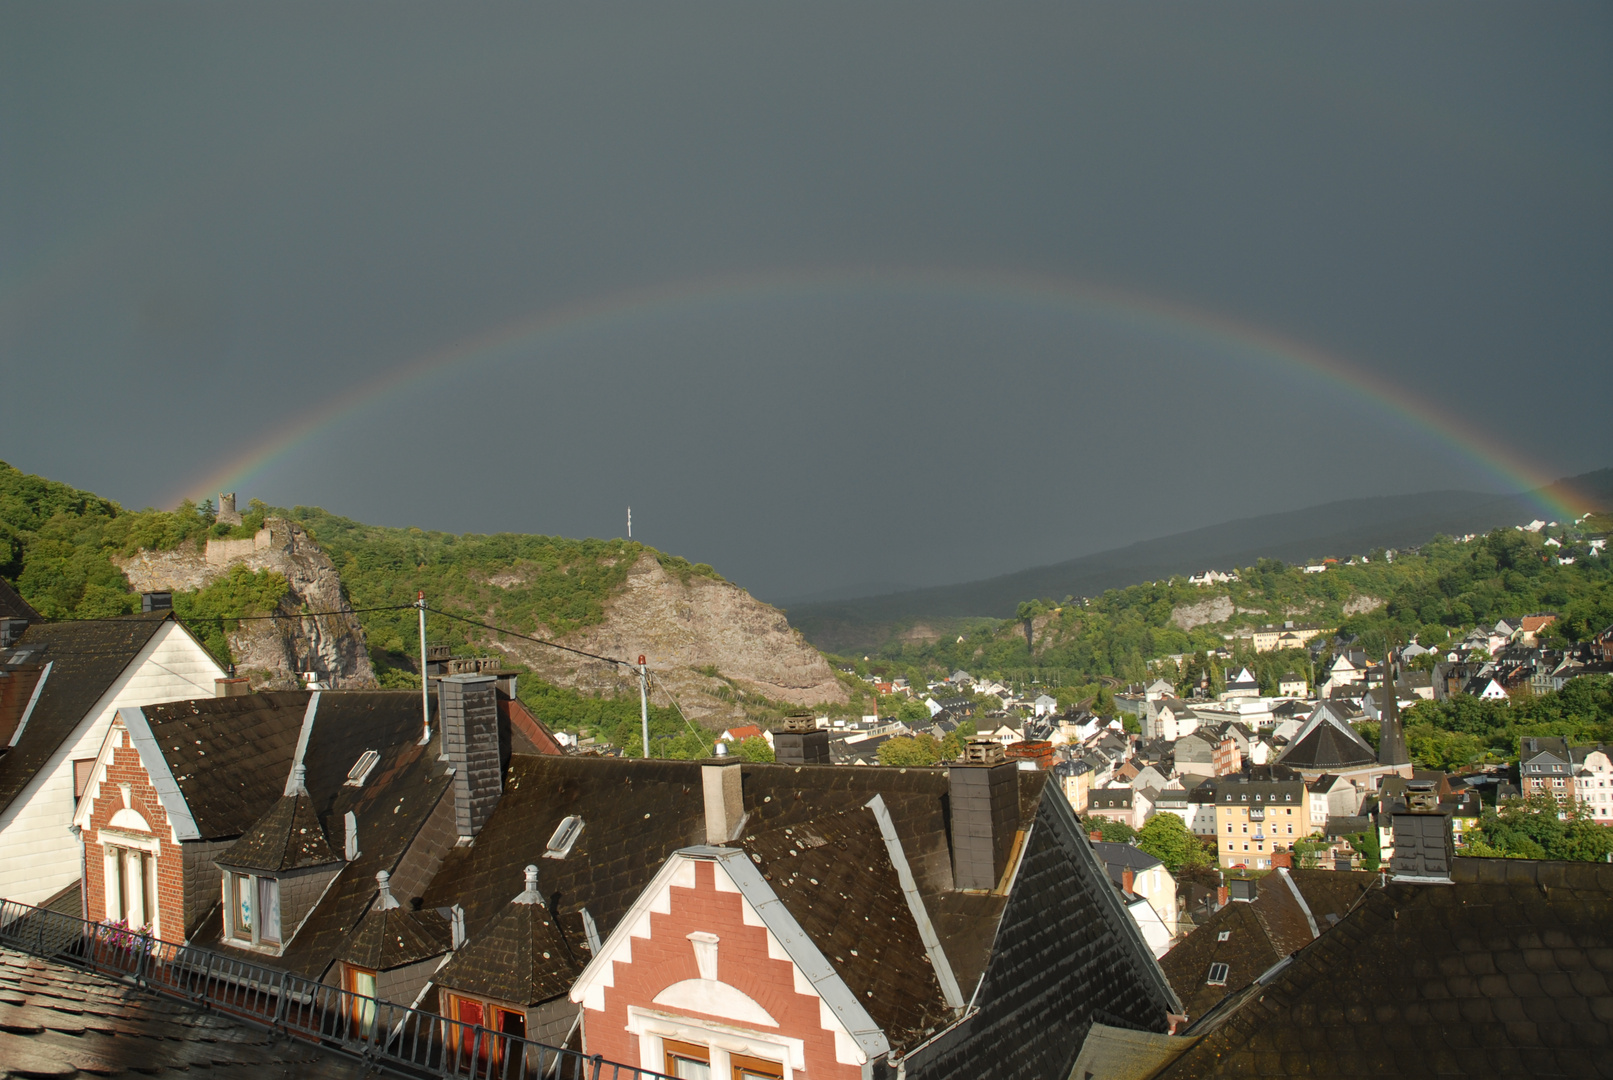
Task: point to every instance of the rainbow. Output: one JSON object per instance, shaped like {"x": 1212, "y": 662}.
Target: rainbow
{"x": 1071, "y": 296}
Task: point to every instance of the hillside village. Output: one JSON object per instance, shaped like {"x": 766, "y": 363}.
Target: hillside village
{"x": 848, "y": 867}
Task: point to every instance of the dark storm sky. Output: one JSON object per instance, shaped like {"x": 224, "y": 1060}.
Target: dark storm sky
{"x": 218, "y": 220}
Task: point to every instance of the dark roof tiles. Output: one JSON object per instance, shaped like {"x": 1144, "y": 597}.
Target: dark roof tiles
{"x": 86, "y": 658}
{"x": 288, "y": 837}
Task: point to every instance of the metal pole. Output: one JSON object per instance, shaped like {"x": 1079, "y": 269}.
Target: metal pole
{"x": 644, "y": 703}
{"x": 425, "y": 692}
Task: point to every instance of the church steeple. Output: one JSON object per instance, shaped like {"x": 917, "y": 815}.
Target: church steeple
{"x": 1391, "y": 737}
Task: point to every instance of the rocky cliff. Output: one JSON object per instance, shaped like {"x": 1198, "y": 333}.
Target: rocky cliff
{"x": 710, "y": 641}
{"x": 274, "y": 653}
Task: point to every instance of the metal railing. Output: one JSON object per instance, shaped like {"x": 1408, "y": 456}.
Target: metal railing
{"x": 400, "y": 1039}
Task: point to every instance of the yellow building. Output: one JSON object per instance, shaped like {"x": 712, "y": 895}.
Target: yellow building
{"x": 1256, "y": 818}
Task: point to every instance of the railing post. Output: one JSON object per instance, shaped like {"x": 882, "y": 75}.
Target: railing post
{"x": 599, "y": 1063}
{"x": 280, "y": 1004}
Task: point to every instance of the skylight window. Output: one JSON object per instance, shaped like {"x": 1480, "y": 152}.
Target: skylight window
{"x": 1218, "y": 975}
{"x": 1223, "y": 935}
{"x": 565, "y": 835}
{"x": 362, "y": 768}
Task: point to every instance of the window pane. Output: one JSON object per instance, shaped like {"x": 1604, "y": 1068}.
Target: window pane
{"x": 268, "y": 909}
{"x": 123, "y": 884}
{"x": 148, "y": 885}
{"x": 243, "y": 905}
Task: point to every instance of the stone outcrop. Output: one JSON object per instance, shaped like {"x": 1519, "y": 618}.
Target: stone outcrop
{"x": 1217, "y": 609}
{"x": 686, "y": 630}
{"x": 273, "y": 652}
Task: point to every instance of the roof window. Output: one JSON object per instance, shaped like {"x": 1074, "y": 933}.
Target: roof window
{"x": 1218, "y": 975}
{"x": 565, "y": 835}
{"x": 362, "y": 768}
{"x": 1223, "y": 935}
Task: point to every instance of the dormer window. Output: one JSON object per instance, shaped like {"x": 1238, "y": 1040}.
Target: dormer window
{"x": 362, "y": 768}
{"x": 252, "y": 908}
{"x": 565, "y": 835}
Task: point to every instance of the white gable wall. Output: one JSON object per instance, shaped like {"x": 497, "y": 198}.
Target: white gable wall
{"x": 42, "y": 856}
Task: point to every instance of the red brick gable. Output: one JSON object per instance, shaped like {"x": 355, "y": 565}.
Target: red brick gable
{"x": 119, "y": 764}
{"x": 753, "y": 976}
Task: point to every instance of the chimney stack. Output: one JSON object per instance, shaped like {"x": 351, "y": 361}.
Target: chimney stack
{"x": 236, "y": 687}
{"x": 1424, "y": 848}
{"x": 156, "y": 601}
{"x": 1243, "y": 889}
{"x": 1128, "y": 878}
{"x": 983, "y": 792}
{"x": 799, "y": 741}
{"x": 470, "y": 742}
{"x": 725, "y": 802}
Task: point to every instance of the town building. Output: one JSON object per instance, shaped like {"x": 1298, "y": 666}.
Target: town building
{"x": 1256, "y": 818}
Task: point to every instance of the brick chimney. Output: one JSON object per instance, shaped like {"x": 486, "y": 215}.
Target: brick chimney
{"x": 1096, "y": 836}
{"x": 1424, "y": 848}
{"x": 983, "y": 790}
{"x": 1128, "y": 878}
{"x": 470, "y": 744}
{"x": 799, "y": 741}
{"x": 1283, "y": 859}
{"x": 724, "y": 800}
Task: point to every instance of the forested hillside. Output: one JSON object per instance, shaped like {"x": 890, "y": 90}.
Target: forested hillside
{"x": 1431, "y": 594}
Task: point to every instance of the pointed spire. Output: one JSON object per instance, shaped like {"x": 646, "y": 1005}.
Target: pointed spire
{"x": 1391, "y": 736}
{"x": 530, "y": 894}
{"x": 384, "y": 900}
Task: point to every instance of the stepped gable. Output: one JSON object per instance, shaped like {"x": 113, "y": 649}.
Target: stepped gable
{"x": 56, "y": 1020}
{"x": 230, "y": 756}
{"x": 289, "y": 837}
{"x": 809, "y": 834}
{"x": 86, "y": 658}
{"x": 1503, "y": 972}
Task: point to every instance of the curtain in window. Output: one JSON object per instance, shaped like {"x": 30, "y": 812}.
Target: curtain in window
{"x": 268, "y": 910}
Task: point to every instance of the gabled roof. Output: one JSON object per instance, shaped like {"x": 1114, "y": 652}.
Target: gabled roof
{"x": 13, "y": 606}
{"x": 1503, "y": 972}
{"x": 229, "y": 756}
{"x": 1290, "y": 908}
{"x": 85, "y": 658}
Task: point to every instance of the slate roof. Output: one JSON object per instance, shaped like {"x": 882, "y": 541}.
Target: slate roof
{"x": 230, "y": 756}
{"x": 391, "y": 808}
{"x": 392, "y": 937}
{"x": 1259, "y": 933}
{"x": 1327, "y": 746}
{"x": 522, "y": 957}
{"x": 1117, "y": 857}
{"x": 86, "y": 658}
{"x": 13, "y": 606}
{"x": 822, "y": 853}
{"x": 288, "y": 837}
{"x": 1505, "y": 972}
{"x": 55, "y": 1019}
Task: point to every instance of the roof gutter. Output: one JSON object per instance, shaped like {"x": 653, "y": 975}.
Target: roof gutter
{"x": 32, "y": 701}
{"x": 915, "y": 904}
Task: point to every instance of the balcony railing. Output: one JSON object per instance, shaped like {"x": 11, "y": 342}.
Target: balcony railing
{"x": 402, "y": 1040}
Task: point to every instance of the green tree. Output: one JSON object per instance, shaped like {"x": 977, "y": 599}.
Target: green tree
{"x": 909, "y": 752}
{"x": 1110, "y": 831}
{"x": 1166, "y": 838}
{"x": 754, "y": 748}
{"x": 913, "y": 711}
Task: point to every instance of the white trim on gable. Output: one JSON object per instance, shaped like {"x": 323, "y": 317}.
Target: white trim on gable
{"x": 33, "y": 700}
{"x": 858, "y": 1039}
{"x": 161, "y": 777}
{"x": 307, "y": 730}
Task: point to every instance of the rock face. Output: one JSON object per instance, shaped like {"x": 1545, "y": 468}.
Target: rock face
{"x": 274, "y": 653}
{"x": 1214, "y": 610}
{"x": 682, "y": 627}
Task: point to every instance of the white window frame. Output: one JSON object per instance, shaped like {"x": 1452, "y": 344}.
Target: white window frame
{"x": 256, "y": 939}
{"x": 652, "y": 1026}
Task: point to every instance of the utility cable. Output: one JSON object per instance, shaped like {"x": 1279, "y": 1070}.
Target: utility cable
{"x": 529, "y": 637}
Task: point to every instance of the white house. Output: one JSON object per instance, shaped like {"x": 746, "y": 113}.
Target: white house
{"x": 92, "y": 668}
{"x": 1046, "y": 706}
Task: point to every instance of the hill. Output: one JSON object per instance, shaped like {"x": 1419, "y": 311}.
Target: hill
{"x": 1331, "y": 529}
{"x": 725, "y": 655}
